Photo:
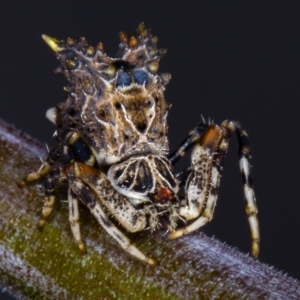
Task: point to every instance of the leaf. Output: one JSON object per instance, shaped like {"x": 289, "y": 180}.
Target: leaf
{"x": 48, "y": 265}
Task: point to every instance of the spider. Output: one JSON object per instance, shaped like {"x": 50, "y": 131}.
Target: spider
{"x": 112, "y": 147}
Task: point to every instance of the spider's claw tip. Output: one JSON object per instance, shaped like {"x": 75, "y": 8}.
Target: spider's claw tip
{"x": 255, "y": 249}
{"x": 151, "y": 262}
{"x": 22, "y": 183}
{"x": 41, "y": 224}
{"x": 82, "y": 247}
{"x": 174, "y": 235}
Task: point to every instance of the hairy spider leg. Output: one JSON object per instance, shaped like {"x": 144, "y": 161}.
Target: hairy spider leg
{"x": 51, "y": 172}
{"x": 117, "y": 205}
{"x": 49, "y": 199}
{"x": 244, "y": 164}
{"x": 203, "y": 183}
{"x": 44, "y": 168}
{"x": 74, "y": 148}
{"x": 74, "y": 219}
{"x": 94, "y": 190}
{"x": 192, "y": 138}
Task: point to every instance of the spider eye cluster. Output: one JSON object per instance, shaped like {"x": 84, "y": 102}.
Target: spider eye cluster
{"x": 139, "y": 77}
{"x": 123, "y": 79}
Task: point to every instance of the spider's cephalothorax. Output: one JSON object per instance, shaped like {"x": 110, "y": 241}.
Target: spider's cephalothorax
{"x": 116, "y": 105}
{"x": 113, "y": 150}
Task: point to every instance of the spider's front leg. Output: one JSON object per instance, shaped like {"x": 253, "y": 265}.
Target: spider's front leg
{"x": 202, "y": 184}
{"x": 192, "y": 138}
{"x": 92, "y": 187}
{"x": 204, "y": 179}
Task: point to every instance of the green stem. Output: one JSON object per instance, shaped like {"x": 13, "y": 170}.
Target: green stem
{"x": 48, "y": 265}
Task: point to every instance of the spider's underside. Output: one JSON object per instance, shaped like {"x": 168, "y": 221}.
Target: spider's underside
{"x": 113, "y": 149}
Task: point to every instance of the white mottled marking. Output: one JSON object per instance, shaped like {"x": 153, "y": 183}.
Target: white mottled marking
{"x": 51, "y": 114}
{"x": 244, "y": 165}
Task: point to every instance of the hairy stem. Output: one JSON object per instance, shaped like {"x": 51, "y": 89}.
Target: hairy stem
{"x": 48, "y": 265}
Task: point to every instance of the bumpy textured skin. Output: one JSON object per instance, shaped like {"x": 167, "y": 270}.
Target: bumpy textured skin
{"x": 116, "y": 104}
{"x": 113, "y": 149}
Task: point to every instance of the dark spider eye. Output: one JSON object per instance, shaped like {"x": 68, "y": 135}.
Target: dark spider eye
{"x": 81, "y": 150}
{"x": 140, "y": 77}
{"x": 123, "y": 79}
{"x": 123, "y": 65}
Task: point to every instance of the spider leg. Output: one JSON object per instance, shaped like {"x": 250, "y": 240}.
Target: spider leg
{"x": 74, "y": 219}
{"x": 244, "y": 158}
{"x": 93, "y": 188}
{"x": 192, "y": 138}
{"x": 203, "y": 183}
{"x": 151, "y": 211}
{"x": 43, "y": 170}
{"x": 73, "y": 148}
{"x": 118, "y": 205}
{"x": 49, "y": 199}
{"x": 53, "y": 173}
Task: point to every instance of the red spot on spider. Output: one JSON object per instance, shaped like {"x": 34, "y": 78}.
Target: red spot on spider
{"x": 164, "y": 195}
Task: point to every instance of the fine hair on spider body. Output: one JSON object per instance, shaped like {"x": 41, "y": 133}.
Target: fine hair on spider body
{"x": 113, "y": 151}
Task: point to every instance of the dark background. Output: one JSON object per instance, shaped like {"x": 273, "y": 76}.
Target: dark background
{"x": 231, "y": 60}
